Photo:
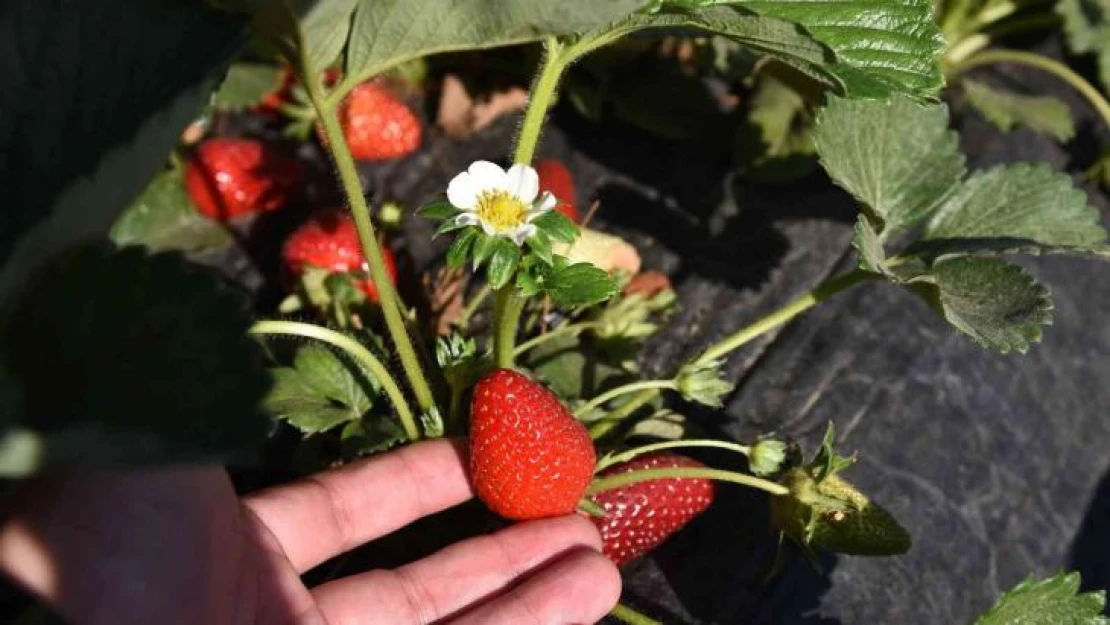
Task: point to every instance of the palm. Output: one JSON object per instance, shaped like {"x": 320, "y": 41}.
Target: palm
{"x": 178, "y": 546}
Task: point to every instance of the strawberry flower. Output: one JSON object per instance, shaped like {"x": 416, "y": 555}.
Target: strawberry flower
{"x": 503, "y": 203}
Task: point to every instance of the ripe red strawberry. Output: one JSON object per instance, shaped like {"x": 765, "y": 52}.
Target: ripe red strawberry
{"x": 378, "y": 126}
{"x": 640, "y": 516}
{"x": 330, "y": 241}
{"x": 229, "y": 178}
{"x": 529, "y": 457}
{"x": 556, "y": 178}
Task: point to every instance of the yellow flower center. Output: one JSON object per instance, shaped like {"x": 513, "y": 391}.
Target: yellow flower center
{"x": 501, "y": 210}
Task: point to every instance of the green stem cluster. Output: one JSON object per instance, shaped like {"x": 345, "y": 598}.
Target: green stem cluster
{"x": 360, "y": 211}
{"x": 721, "y": 349}
{"x": 355, "y": 350}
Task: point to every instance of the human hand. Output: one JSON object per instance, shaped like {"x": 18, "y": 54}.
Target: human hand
{"x": 177, "y": 545}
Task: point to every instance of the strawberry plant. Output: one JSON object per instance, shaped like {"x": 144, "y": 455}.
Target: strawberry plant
{"x": 117, "y": 347}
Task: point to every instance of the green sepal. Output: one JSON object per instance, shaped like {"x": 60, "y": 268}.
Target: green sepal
{"x": 540, "y": 245}
{"x": 484, "y": 247}
{"x": 457, "y": 253}
{"x": 448, "y": 226}
{"x": 557, "y": 226}
{"x": 701, "y": 382}
{"x": 503, "y": 262}
{"x": 438, "y": 209}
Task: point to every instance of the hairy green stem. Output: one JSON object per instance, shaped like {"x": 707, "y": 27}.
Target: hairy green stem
{"x": 355, "y": 350}
{"x": 1056, "y": 68}
{"x": 643, "y": 385}
{"x": 563, "y": 330}
{"x": 360, "y": 211}
{"x": 539, "y": 100}
{"x": 785, "y": 314}
{"x": 611, "y": 482}
{"x": 625, "y": 456}
{"x": 630, "y": 616}
{"x": 508, "y": 307}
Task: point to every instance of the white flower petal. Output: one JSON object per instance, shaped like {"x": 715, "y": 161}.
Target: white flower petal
{"x": 488, "y": 176}
{"x": 463, "y": 191}
{"x": 467, "y": 219}
{"x": 546, "y": 202}
{"x": 522, "y": 232}
{"x": 487, "y": 228}
{"x": 524, "y": 182}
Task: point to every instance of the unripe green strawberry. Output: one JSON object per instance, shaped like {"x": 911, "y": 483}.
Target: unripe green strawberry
{"x": 835, "y": 516}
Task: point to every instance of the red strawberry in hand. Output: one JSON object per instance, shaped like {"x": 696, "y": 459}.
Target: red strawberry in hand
{"x": 330, "y": 241}
{"x": 228, "y": 178}
{"x": 529, "y": 457}
{"x": 377, "y": 125}
{"x": 556, "y": 178}
{"x": 640, "y": 516}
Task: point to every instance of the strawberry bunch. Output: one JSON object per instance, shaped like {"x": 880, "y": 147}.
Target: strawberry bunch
{"x": 530, "y": 459}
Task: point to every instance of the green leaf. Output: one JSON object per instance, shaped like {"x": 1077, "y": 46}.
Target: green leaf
{"x": 1087, "y": 29}
{"x": 1023, "y": 201}
{"x": 319, "y": 27}
{"x": 897, "y": 157}
{"x": 125, "y": 77}
{"x": 557, "y": 226}
{"x": 246, "y": 85}
{"x": 782, "y": 39}
{"x": 881, "y": 46}
{"x": 120, "y": 357}
{"x": 580, "y": 284}
{"x": 999, "y": 305}
{"x": 503, "y": 262}
{"x": 388, "y": 32}
{"x": 1053, "y": 601}
{"x": 163, "y": 218}
{"x": 320, "y": 391}
{"x": 460, "y": 248}
{"x": 1007, "y": 110}
{"x": 439, "y": 209}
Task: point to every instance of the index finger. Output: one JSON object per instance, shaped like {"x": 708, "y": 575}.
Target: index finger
{"x": 321, "y": 516}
